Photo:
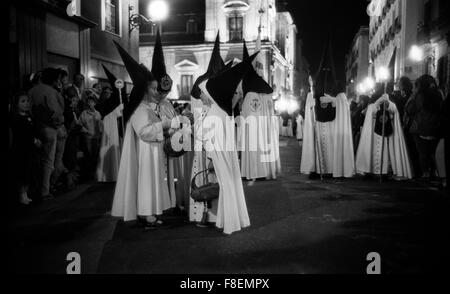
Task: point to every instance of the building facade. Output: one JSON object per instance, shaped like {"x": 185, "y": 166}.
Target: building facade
{"x": 42, "y": 34}
{"x": 392, "y": 33}
{"x": 433, "y": 39}
{"x": 189, "y": 36}
{"x": 357, "y": 61}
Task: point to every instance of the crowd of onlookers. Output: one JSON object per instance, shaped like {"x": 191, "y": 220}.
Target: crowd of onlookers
{"x": 55, "y": 134}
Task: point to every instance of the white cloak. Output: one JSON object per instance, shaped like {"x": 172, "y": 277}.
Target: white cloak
{"x": 142, "y": 188}
{"x": 232, "y": 214}
{"x": 254, "y": 137}
{"x": 109, "y": 157}
{"x": 333, "y": 140}
{"x": 395, "y": 157}
{"x": 200, "y": 163}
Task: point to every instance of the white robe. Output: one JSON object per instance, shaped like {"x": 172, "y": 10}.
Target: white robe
{"x": 142, "y": 187}
{"x": 395, "y": 157}
{"x": 109, "y": 157}
{"x": 333, "y": 141}
{"x": 200, "y": 163}
{"x": 232, "y": 214}
{"x": 254, "y": 137}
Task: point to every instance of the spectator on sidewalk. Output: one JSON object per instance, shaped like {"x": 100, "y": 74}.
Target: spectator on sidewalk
{"x": 92, "y": 129}
{"x": 24, "y": 146}
{"x": 48, "y": 114}
{"x": 73, "y": 126}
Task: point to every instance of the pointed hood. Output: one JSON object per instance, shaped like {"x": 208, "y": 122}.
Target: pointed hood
{"x": 138, "y": 72}
{"x": 222, "y": 87}
{"x": 109, "y": 105}
{"x": 245, "y": 54}
{"x": 159, "y": 67}
{"x": 140, "y": 76}
{"x": 252, "y": 82}
{"x": 215, "y": 66}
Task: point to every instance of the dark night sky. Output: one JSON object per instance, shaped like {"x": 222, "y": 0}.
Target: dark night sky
{"x": 318, "y": 19}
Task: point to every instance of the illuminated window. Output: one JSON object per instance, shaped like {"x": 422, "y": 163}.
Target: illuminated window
{"x": 235, "y": 27}
{"x": 187, "y": 81}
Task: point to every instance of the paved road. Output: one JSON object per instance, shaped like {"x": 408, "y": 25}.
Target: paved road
{"x": 298, "y": 226}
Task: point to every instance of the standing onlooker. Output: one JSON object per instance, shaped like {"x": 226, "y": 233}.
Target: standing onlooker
{"x": 24, "y": 146}
{"x": 61, "y": 138}
{"x": 406, "y": 91}
{"x": 92, "y": 128}
{"x": 48, "y": 113}
{"x": 424, "y": 108}
{"x": 73, "y": 126}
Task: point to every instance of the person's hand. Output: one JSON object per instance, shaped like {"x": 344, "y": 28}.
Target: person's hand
{"x": 326, "y": 99}
{"x": 166, "y": 123}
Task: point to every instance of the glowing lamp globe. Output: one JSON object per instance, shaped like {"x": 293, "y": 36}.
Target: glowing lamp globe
{"x": 416, "y": 53}
{"x": 158, "y": 10}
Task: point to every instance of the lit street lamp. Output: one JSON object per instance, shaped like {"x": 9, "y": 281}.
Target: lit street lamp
{"x": 416, "y": 53}
{"x": 157, "y": 10}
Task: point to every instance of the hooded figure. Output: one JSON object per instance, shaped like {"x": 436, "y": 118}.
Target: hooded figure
{"x": 260, "y": 147}
{"x": 328, "y": 143}
{"x": 142, "y": 190}
{"x": 216, "y": 129}
{"x": 395, "y": 156}
{"x": 200, "y": 161}
{"x": 177, "y": 181}
{"x": 111, "y": 111}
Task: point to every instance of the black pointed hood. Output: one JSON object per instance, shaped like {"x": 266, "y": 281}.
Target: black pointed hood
{"x": 245, "y": 54}
{"x": 140, "y": 76}
{"x": 215, "y": 66}
{"x": 252, "y": 82}
{"x": 159, "y": 67}
{"x": 222, "y": 87}
{"x": 138, "y": 72}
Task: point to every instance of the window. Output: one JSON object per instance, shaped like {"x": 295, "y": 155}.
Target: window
{"x": 235, "y": 24}
{"x": 111, "y": 16}
{"x": 187, "y": 81}
{"x": 191, "y": 26}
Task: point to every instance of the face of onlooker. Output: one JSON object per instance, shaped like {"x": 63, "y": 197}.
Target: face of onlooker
{"x": 107, "y": 92}
{"x": 78, "y": 81}
{"x": 23, "y": 104}
{"x": 91, "y": 104}
{"x": 98, "y": 88}
{"x": 64, "y": 81}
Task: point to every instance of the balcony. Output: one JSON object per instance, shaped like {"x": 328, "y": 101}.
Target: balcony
{"x": 239, "y": 7}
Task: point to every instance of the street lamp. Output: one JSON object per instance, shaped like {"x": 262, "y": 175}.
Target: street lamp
{"x": 158, "y": 10}
{"x": 383, "y": 74}
{"x": 416, "y": 53}
{"x": 369, "y": 84}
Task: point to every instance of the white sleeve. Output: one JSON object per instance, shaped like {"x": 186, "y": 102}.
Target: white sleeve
{"x": 147, "y": 130}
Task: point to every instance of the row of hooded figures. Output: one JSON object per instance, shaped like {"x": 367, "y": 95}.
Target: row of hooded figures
{"x": 156, "y": 170}
{"x": 328, "y": 139}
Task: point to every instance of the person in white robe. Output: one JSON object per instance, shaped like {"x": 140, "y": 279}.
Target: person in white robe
{"x": 111, "y": 111}
{"x": 216, "y": 130}
{"x": 200, "y": 161}
{"x": 328, "y": 146}
{"x": 395, "y": 154}
{"x": 176, "y": 181}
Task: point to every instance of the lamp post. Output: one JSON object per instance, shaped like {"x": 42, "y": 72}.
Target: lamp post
{"x": 157, "y": 10}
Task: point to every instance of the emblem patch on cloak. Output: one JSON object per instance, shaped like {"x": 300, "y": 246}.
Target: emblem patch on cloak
{"x": 166, "y": 83}
{"x": 255, "y": 105}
